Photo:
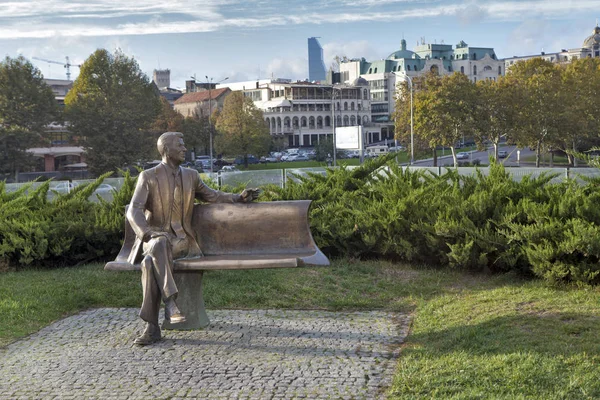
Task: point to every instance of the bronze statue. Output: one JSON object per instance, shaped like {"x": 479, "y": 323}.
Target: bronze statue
{"x": 160, "y": 214}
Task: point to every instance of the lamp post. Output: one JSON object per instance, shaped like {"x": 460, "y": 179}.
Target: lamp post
{"x": 333, "y": 89}
{"x": 412, "y": 138}
{"x": 210, "y": 133}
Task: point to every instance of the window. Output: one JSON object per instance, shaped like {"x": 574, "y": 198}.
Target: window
{"x": 346, "y": 120}
{"x": 352, "y": 105}
{"x": 352, "y": 120}
{"x": 303, "y": 122}
{"x": 499, "y": 69}
{"x": 487, "y": 68}
{"x": 370, "y": 70}
{"x": 474, "y": 56}
{"x": 462, "y": 70}
{"x": 345, "y": 106}
{"x": 375, "y": 71}
{"x": 408, "y": 67}
{"x": 365, "y": 95}
{"x": 474, "y": 69}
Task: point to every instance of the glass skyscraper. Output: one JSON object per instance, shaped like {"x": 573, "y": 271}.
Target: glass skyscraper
{"x": 316, "y": 66}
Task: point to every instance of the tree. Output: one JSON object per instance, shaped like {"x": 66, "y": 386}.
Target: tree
{"x": 537, "y": 91}
{"x": 27, "y": 106}
{"x": 453, "y": 104}
{"x": 496, "y": 111}
{"x": 242, "y": 128}
{"x": 196, "y": 131}
{"x": 112, "y": 106}
{"x": 167, "y": 120}
{"x": 422, "y": 142}
{"x": 581, "y": 110}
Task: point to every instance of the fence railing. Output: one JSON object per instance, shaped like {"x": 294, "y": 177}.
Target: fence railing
{"x": 279, "y": 177}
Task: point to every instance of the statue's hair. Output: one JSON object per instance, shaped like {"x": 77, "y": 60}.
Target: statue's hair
{"x": 165, "y": 139}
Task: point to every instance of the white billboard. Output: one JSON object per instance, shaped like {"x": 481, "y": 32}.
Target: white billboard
{"x": 348, "y": 137}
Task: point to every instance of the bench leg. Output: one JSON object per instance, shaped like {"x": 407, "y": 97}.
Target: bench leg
{"x": 190, "y": 301}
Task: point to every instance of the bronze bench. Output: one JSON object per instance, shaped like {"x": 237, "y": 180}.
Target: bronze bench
{"x": 235, "y": 236}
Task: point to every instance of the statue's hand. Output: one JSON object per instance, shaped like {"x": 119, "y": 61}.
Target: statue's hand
{"x": 249, "y": 195}
{"x": 154, "y": 234}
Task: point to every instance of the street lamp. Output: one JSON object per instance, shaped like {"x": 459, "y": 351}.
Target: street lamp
{"x": 412, "y": 138}
{"x": 209, "y": 82}
{"x": 333, "y": 89}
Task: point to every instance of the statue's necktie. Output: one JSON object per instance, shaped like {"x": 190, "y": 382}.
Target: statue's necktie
{"x": 176, "y": 213}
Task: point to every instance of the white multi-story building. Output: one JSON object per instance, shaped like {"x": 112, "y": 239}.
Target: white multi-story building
{"x": 589, "y": 49}
{"x": 383, "y": 75}
{"x": 301, "y": 114}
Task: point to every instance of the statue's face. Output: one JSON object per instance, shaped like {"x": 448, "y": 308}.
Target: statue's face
{"x": 176, "y": 150}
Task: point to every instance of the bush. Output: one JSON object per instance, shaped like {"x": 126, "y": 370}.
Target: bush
{"x": 66, "y": 231}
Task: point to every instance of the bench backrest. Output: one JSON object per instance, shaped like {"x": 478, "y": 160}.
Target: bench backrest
{"x": 279, "y": 227}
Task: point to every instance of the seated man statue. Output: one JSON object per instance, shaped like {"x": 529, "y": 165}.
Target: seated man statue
{"x": 160, "y": 214}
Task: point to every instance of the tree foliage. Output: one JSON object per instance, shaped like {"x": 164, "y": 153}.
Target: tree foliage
{"x": 540, "y": 101}
{"x": 242, "y": 129}
{"x": 27, "y": 105}
{"x": 112, "y": 107}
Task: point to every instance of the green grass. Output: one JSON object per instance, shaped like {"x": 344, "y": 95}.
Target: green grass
{"x": 473, "y": 336}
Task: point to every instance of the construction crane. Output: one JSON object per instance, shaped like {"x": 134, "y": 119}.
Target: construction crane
{"x": 67, "y": 64}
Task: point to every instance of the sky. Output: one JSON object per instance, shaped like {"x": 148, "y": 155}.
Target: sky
{"x": 257, "y": 39}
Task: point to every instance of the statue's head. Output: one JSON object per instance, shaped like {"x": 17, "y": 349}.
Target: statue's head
{"x": 170, "y": 146}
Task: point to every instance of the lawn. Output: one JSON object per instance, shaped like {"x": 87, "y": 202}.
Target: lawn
{"x": 473, "y": 336}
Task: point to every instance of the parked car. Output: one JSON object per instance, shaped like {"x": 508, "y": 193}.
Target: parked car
{"x": 462, "y": 156}
{"x": 396, "y": 148}
{"x": 105, "y": 188}
{"x": 220, "y": 163}
{"x": 301, "y": 157}
{"x": 502, "y": 153}
{"x": 269, "y": 159}
{"x": 66, "y": 187}
{"x": 229, "y": 168}
{"x": 251, "y": 160}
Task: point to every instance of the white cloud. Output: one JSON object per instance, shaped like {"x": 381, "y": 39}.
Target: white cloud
{"x": 45, "y": 19}
{"x": 355, "y": 49}
{"x": 292, "y": 68}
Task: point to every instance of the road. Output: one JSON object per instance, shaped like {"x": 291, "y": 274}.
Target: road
{"x": 482, "y": 156}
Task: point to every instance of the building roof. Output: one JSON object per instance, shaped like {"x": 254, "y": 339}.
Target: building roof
{"x": 198, "y": 97}
{"x": 594, "y": 39}
{"x": 402, "y": 53}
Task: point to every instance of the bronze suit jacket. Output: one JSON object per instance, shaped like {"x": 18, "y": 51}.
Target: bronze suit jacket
{"x": 152, "y": 202}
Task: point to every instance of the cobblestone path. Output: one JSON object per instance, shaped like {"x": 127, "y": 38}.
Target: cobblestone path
{"x": 245, "y": 354}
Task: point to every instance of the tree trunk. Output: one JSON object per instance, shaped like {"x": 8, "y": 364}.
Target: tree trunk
{"x": 453, "y": 150}
{"x": 552, "y": 159}
{"x": 573, "y": 160}
{"x": 246, "y": 161}
{"x": 435, "y": 162}
{"x": 495, "y": 152}
{"x": 538, "y": 149}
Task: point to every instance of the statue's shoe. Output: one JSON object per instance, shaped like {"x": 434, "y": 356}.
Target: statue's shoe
{"x": 150, "y": 335}
{"x": 175, "y": 318}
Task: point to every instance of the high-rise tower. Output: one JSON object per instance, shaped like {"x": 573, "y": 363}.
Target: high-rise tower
{"x": 316, "y": 66}
{"x": 162, "y": 78}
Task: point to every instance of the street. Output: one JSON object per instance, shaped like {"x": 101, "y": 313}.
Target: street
{"x": 482, "y": 156}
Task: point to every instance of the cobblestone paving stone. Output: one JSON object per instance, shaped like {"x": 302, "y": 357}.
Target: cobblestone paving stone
{"x": 243, "y": 354}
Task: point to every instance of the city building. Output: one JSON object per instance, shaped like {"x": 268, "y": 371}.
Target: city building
{"x": 301, "y": 114}
{"x": 60, "y": 88}
{"x": 384, "y": 75}
{"x": 201, "y": 104}
{"x": 589, "y": 49}
{"x": 316, "y": 66}
{"x": 161, "y": 78}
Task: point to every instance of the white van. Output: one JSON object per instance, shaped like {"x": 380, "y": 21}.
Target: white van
{"x": 375, "y": 151}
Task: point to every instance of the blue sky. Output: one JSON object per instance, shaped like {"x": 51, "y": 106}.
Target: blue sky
{"x": 249, "y": 39}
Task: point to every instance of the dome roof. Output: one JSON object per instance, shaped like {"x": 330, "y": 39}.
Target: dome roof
{"x": 402, "y": 53}
{"x": 360, "y": 81}
{"x": 594, "y": 39}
